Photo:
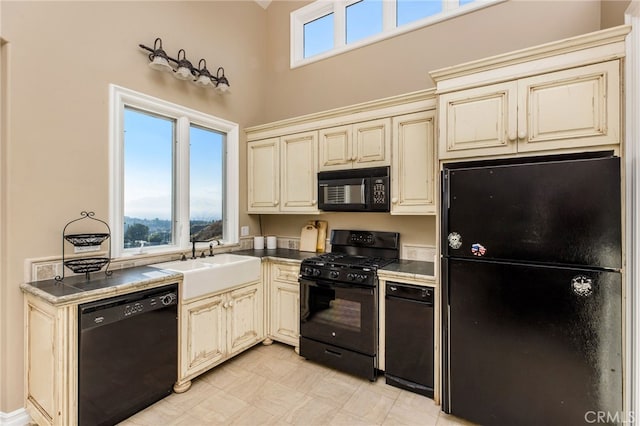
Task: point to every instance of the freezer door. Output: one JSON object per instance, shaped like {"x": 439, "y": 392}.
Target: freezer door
{"x": 560, "y": 212}
{"x": 532, "y": 345}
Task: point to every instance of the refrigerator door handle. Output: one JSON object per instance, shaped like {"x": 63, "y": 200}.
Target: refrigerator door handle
{"x": 445, "y": 188}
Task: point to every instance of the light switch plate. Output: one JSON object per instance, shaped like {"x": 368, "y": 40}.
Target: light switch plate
{"x": 244, "y": 231}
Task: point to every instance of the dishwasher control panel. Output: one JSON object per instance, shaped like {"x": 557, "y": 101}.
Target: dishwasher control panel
{"x": 107, "y": 311}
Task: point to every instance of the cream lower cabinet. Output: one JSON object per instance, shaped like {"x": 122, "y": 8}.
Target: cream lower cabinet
{"x": 563, "y": 110}
{"x": 217, "y": 327}
{"x": 284, "y": 303}
{"x": 50, "y": 361}
{"x": 358, "y": 145}
{"x": 414, "y": 162}
{"x": 282, "y": 174}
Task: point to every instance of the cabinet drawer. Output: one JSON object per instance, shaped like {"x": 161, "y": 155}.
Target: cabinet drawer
{"x": 285, "y": 272}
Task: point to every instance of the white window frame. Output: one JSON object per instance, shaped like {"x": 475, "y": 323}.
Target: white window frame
{"x": 320, "y": 8}
{"x": 120, "y": 98}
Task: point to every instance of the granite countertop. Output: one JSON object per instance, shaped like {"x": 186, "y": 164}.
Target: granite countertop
{"x": 278, "y": 254}
{"x": 77, "y": 288}
{"x": 416, "y": 269}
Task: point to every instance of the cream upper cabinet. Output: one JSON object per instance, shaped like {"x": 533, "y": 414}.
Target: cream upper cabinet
{"x": 284, "y": 304}
{"x": 478, "y": 121}
{"x": 413, "y": 168}
{"x": 563, "y": 110}
{"x": 571, "y": 108}
{"x": 298, "y": 177}
{"x": 282, "y": 174}
{"x": 263, "y": 176}
{"x": 358, "y": 145}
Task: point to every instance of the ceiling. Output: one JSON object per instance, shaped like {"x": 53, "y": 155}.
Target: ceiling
{"x": 263, "y": 3}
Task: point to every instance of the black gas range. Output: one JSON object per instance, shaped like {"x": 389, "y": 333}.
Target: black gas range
{"x": 339, "y": 300}
{"x": 344, "y": 267}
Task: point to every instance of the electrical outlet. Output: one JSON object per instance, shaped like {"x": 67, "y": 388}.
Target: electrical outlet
{"x": 85, "y": 249}
{"x": 244, "y": 231}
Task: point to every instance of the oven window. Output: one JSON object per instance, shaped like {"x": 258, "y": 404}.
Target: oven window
{"x": 341, "y": 312}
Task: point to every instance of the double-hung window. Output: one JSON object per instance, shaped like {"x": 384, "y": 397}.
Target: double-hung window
{"x": 326, "y": 28}
{"x": 174, "y": 175}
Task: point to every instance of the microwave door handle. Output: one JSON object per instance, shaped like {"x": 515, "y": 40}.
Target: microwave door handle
{"x": 363, "y": 191}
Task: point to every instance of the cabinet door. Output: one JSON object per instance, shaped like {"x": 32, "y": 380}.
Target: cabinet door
{"x": 414, "y": 164}
{"x": 285, "y": 304}
{"x": 263, "y": 176}
{"x": 571, "y": 108}
{"x": 203, "y": 328}
{"x": 479, "y": 121}
{"x": 298, "y": 177}
{"x": 244, "y": 316}
{"x": 372, "y": 143}
{"x": 41, "y": 350}
{"x": 335, "y": 151}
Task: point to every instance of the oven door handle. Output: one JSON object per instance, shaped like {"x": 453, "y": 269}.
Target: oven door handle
{"x": 334, "y": 284}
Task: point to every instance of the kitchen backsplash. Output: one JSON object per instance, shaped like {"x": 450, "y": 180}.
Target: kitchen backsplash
{"x": 47, "y": 269}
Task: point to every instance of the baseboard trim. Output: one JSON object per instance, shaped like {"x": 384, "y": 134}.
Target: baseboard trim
{"x": 15, "y": 418}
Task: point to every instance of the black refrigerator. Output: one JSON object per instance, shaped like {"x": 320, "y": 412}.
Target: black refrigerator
{"x": 532, "y": 304}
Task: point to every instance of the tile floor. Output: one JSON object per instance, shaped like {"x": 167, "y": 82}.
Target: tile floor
{"x": 272, "y": 385}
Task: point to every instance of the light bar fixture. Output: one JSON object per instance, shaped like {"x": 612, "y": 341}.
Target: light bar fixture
{"x": 184, "y": 69}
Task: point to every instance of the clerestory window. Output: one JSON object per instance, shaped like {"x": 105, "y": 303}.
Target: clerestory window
{"x": 174, "y": 175}
{"x": 329, "y": 27}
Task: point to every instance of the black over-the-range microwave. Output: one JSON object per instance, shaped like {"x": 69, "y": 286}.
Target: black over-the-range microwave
{"x": 354, "y": 190}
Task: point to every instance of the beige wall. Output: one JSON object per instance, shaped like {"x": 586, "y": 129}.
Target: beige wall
{"x": 400, "y": 65}
{"x": 612, "y": 12}
{"x": 63, "y": 55}
{"x": 413, "y": 229}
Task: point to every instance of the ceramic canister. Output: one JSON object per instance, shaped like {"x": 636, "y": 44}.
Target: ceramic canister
{"x": 258, "y": 242}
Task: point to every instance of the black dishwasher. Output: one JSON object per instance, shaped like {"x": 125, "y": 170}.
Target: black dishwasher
{"x": 127, "y": 354}
{"x": 409, "y": 337}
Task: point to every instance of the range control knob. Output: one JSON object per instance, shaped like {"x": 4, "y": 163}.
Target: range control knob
{"x": 362, "y": 277}
{"x": 334, "y": 274}
{"x": 307, "y": 271}
{"x": 168, "y": 299}
{"x": 351, "y": 277}
{"x": 316, "y": 272}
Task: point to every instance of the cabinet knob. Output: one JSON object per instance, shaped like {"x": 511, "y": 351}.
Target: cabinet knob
{"x": 522, "y": 134}
{"x": 225, "y": 305}
{"x": 354, "y": 158}
{"x": 230, "y": 304}
{"x": 512, "y": 137}
{"x": 276, "y": 202}
{"x": 394, "y": 200}
{"x": 313, "y": 202}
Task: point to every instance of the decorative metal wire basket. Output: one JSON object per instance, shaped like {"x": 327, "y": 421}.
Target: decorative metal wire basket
{"x": 86, "y": 264}
{"x": 83, "y": 240}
